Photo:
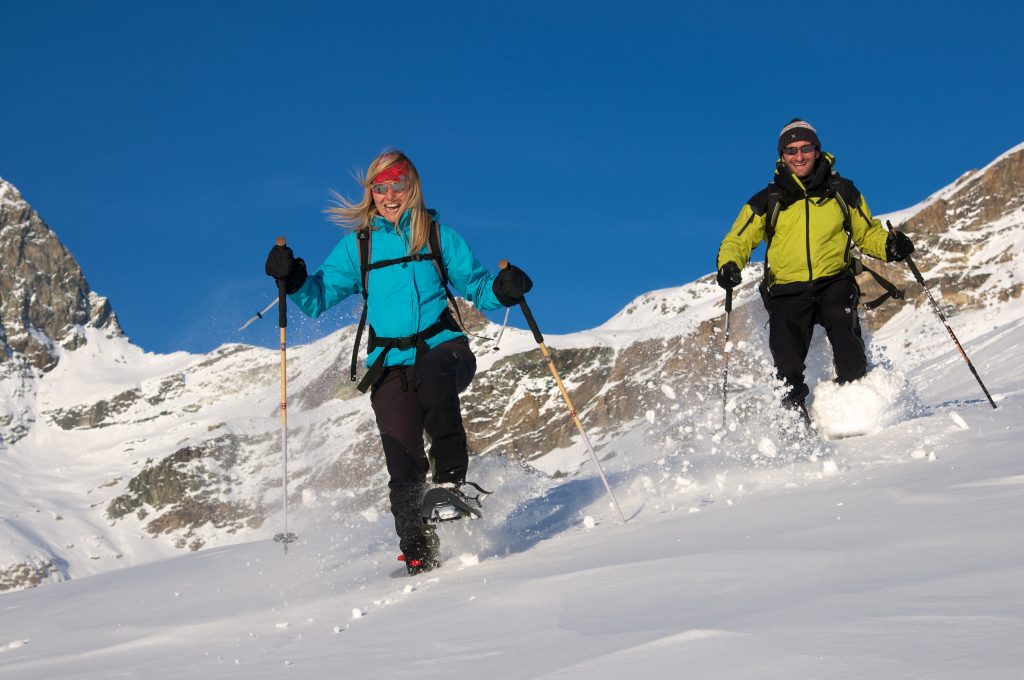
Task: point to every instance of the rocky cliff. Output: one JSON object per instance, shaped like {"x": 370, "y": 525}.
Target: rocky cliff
{"x": 45, "y": 301}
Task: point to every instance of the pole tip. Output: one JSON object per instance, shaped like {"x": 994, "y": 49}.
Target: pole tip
{"x": 503, "y": 264}
{"x": 280, "y": 240}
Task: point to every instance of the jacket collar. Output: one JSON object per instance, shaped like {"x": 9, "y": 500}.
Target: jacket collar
{"x": 795, "y": 187}
{"x": 380, "y": 222}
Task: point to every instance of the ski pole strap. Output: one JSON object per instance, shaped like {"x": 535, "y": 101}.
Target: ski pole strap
{"x": 483, "y": 492}
{"x": 282, "y": 308}
{"x": 891, "y": 291}
{"x": 530, "y": 320}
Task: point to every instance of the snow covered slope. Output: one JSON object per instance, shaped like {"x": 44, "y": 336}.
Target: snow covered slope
{"x": 894, "y": 554}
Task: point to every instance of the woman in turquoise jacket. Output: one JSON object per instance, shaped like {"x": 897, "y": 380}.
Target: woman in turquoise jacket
{"x": 419, "y": 359}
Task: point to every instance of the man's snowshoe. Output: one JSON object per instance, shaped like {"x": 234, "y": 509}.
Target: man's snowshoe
{"x": 445, "y": 503}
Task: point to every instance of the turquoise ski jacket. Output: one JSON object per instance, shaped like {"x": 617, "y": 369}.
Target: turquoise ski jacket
{"x": 405, "y": 298}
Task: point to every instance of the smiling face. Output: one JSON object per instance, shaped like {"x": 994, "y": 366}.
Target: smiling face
{"x": 390, "y": 190}
{"x": 390, "y": 198}
{"x": 802, "y": 162}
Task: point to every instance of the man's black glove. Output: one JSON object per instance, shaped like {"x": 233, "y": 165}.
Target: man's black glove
{"x": 897, "y": 246}
{"x": 282, "y": 264}
{"x": 729, "y": 276}
{"x": 510, "y": 285}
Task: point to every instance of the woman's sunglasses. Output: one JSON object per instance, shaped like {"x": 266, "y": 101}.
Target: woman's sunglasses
{"x": 398, "y": 187}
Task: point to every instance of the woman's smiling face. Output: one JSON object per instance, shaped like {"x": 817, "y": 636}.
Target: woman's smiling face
{"x": 389, "y": 197}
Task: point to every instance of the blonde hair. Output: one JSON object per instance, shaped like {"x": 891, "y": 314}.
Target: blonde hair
{"x": 358, "y": 215}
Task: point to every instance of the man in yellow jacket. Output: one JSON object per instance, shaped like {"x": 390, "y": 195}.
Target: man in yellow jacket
{"x": 810, "y": 217}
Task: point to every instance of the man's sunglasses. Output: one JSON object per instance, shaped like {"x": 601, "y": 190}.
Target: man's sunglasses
{"x": 794, "y": 150}
{"x": 398, "y": 187}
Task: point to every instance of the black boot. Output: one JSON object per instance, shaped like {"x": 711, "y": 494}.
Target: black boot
{"x": 425, "y": 554}
{"x": 418, "y": 541}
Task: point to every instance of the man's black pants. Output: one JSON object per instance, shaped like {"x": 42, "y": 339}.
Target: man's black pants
{"x": 794, "y": 309}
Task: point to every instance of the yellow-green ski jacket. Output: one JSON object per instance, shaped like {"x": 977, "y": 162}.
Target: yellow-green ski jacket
{"x": 810, "y": 241}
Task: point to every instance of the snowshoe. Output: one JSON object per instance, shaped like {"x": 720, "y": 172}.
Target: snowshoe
{"x": 446, "y": 503}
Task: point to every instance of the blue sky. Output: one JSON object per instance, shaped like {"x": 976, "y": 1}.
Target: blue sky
{"x": 603, "y": 147}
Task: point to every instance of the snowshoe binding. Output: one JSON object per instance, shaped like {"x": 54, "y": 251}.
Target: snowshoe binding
{"x": 446, "y": 503}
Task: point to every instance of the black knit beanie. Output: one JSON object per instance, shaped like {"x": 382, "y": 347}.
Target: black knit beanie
{"x": 798, "y": 130}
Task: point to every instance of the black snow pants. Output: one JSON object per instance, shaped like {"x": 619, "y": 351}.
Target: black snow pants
{"x": 794, "y": 309}
{"x": 408, "y": 400}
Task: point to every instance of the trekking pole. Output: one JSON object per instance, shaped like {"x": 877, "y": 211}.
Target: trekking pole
{"x": 565, "y": 395}
{"x": 920, "y": 279}
{"x": 725, "y": 378}
{"x": 286, "y": 536}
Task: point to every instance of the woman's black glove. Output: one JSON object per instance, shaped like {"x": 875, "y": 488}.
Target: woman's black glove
{"x": 510, "y": 285}
{"x": 729, "y": 276}
{"x": 282, "y": 264}
{"x": 897, "y": 246}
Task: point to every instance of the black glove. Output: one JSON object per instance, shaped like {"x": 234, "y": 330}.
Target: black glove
{"x": 282, "y": 264}
{"x": 729, "y": 276}
{"x": 510, "y": 285}
{"x": 897, "y": 246}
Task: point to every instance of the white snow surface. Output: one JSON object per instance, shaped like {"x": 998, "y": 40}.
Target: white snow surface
{"x": 894, "y": 554}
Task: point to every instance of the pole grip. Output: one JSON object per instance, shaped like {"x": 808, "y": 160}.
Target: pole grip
{"x": 282, "y": 293}
{"x": 728, "y": 300}
{"x": 503, "y": 264}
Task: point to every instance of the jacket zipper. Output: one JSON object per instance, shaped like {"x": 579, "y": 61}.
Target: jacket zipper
{"x": 807, "y": 235}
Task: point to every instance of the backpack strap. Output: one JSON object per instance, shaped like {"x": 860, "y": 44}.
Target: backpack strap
{"x": 771, "y": 218}
{"x": 365, "y": 242}
{"x": 417, "y": 341}
{"x": 434, "y": 243}
{"x": 434, "y": 246}
{"x": 771, "y": 213}
{"x": 891, "y": 291}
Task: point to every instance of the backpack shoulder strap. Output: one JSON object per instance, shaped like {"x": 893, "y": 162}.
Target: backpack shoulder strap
{"x": 365, "y": 249}
{"x": 846, "y": 195}
{"x": 434, "y": 244}
{"x": 771, "y": 213}
{"x": 365, "y": 243}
